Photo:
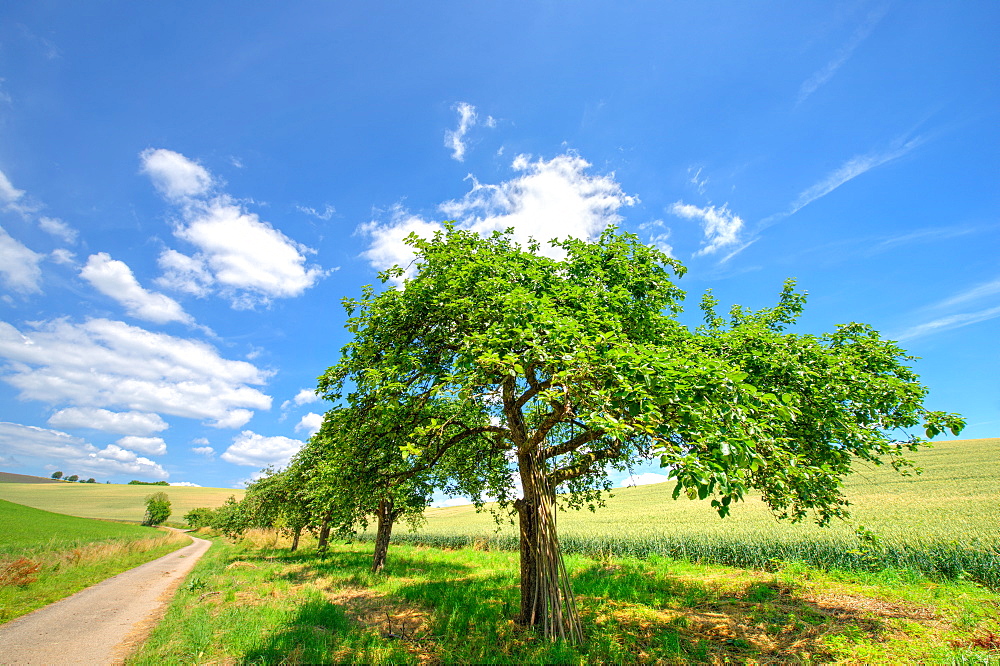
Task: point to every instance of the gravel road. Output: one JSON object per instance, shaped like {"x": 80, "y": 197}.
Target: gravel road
{"x": 103, "y": 623}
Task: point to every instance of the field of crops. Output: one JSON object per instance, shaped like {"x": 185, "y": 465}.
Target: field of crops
{"x": 945, "y": 522}
{"x": 110, "y": 501}
{"x": 23, "y": 528}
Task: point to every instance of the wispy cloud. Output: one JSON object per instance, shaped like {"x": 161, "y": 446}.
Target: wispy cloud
{"x": 849, "y": 170}
{"x": 324, "y": 215}
{"x": 467, "y": 119}
{"x": 825, "y": 73}
{"x": 721, "y": 227}
{"x": 949, "y": 322}
{"x": 974, "y": 294}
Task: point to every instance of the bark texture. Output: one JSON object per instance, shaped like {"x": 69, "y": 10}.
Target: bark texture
{"x": 386, "y": 517}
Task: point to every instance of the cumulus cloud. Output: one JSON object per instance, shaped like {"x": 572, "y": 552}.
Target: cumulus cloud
{"x": 175, "y": 176}
{"x": 13, "y": 199}
{"x": 58, "y": 228}
{"x": 114, "y": 278}
{"x": 253, "y": 450}
{"x": 19, "y": 269}
{"x": 125, "y": 423}
{"x": 73, "y": 452}
{"x": 552, "y": 199}
{"x": 451, "y": 501}
{"x": 61, "y": 255}
{"x": 237, "y": 255}
{"x": 154, "y": 446}
{"x": 102, "y": 363}
{"x": 310, "y": 423}
{"x": 303, "y": 397}
{"x": 185, "y": 484}
{"x": 720, "y": 226}
{"x": 206, "y": 451}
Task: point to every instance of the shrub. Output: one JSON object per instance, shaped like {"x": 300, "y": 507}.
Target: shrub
{"x": 200, "y": 517}
{"x": 157, "y": 509}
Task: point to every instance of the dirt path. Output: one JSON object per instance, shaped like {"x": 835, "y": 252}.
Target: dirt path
{"x": 103, "y": 623}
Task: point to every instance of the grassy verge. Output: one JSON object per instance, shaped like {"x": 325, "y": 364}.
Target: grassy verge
{"x": 255, "y": 603}
{"x": 45, "y": 557}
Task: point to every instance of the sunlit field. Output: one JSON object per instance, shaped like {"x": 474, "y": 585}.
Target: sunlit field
{"x": 944, "y": 521}
{"x": 110, "y": 501}
{"x": 47, "y": 556}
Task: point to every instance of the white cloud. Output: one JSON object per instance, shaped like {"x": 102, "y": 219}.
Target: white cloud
{"x": 174, "y": 175}
{"x": 949, "y": 322}
{"x": 234, "y": 418}
{"x": 255, "y": 450}
{"x": 61, "y": 255}
{"x": 303, "y": 397}
{"x": 849, "y": 170}
{"x": 12, "y": 198}
{"x": 58, "y": 228}
{"x": 238, "y": 255}
{"x": 696, "y": 179}
{"x": 125, "y": 423}
{"x": 825, "y": 73}
{"x": 114, "y": 278}
{"x": 75, "y": 453}
{"x": 326, "y": 214}
{"x": 552, "y": 199}
{"x": 974, "y": 294}
{"x": 451, "y": 501}
{"x": 242, "y": 257}
{"x": 206, "y": 451}
{"x": 310, "y": 423}
{"x": 455, "y": 139}
{"x": 19, "y": 265}
{"x": 643, "y": 479}
{"x": 720, "y": 226}
{"x": 102, "y": 363}
{"x": 185, "y": 484}
{"x": 154, "y": 446}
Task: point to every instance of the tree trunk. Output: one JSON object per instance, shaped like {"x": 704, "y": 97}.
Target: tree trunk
{"x": 386, "y": 518}
{"x": 324, "y": 534}
{"x": 547, "y": 600}
{"x": 295, "y": 538}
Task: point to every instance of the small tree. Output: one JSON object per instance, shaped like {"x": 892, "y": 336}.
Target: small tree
{"x": 199, "y": 517}
{"x": 91, "y": 480}
{"x": 157, "y": 509}
{"x": 56, "y": 475}
{"x": 74, "y": 478}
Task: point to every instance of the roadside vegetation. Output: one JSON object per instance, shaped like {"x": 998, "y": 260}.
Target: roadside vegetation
{"x": 46, "y": 556}
{"x": 254, "y": 601}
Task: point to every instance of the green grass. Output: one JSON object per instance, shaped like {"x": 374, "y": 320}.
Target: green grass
{"x": 45, "y": 556}
{"x": 110, "y": 501}
{"x": 944, "y": 522}
{"x": 244, "y": 603}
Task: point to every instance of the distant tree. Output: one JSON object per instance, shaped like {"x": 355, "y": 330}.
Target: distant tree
{"x": 56, "y": 475}
{"x": 200, "y": 517}
{"x": 91, "y": 480}
{"x": 134, "y": 482}
{"x": 73, "y": 478}
{"x": 157, "y": 509}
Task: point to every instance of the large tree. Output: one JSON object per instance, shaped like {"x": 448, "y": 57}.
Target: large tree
{"x": 578, "y": 363}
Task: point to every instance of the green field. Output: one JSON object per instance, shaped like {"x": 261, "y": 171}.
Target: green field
{"x": 26, "y": 528}
{"x": 945, "y": 521}
{"x": 110, "y": 501}
{"x": 47, "y": 556}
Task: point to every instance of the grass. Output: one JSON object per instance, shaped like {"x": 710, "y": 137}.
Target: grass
{"x": 253, "y": 603}
{"x": 45, "y": 556}
{"x": 110, "y": 501}
{"x": 944, "y": 522}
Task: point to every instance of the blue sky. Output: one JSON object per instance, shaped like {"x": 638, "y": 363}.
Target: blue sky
{"x": 187, "y": 190}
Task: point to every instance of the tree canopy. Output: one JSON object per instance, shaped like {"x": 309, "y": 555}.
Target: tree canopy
{"x": 570, "y": 364}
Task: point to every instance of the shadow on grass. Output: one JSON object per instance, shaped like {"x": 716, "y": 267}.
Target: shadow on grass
{"x": 425, "y": 609}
